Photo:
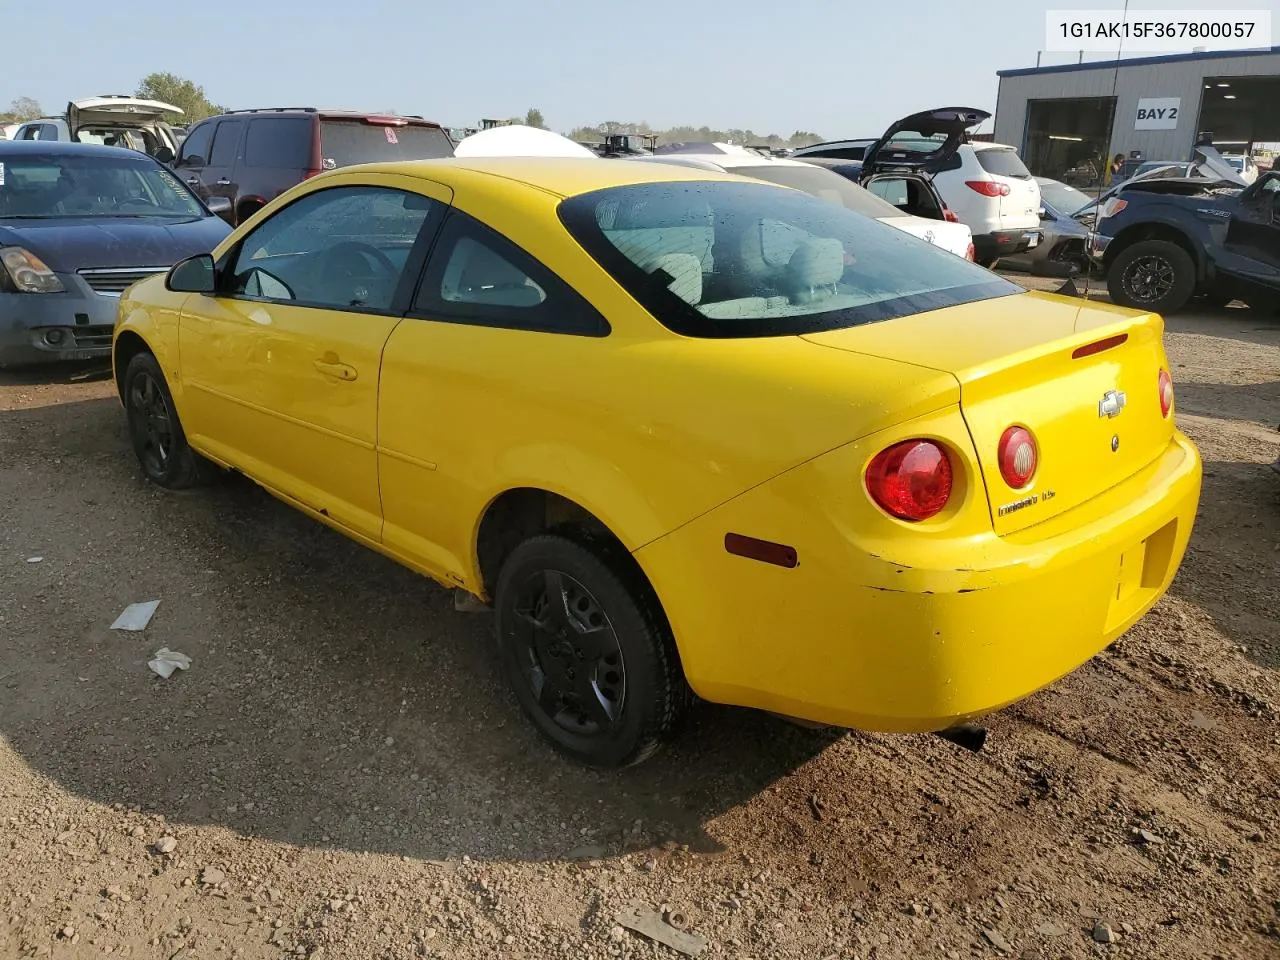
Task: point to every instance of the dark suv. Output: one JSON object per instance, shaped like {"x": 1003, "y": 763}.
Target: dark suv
{"x": 252, "y": 156}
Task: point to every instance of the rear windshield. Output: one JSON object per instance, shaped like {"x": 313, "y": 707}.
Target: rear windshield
{"x": 825, "y": 185}
{"x": 725, "y": 259}
{"x": 344, "y": 142}
{"x": 1003, "y": 163}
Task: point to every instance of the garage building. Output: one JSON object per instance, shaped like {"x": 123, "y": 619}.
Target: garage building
{"x": 1067, "y": 120}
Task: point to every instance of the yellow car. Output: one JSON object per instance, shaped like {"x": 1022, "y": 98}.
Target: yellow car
{"x": 684, "y": 432}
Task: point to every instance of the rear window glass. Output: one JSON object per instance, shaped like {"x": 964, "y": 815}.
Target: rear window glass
{"x": 1003, "y": 163}
{"x": 345, "y": 142}
{"x": 279, "y": 142}
{"x": 724, "y": 259}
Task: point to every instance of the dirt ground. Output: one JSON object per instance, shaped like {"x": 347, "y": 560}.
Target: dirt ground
{"x": 343, "y": 773}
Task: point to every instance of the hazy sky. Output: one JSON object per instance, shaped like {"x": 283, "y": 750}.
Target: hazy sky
{"x": 836, "y": 67}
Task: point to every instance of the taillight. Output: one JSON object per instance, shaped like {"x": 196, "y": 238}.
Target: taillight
{"x": 1018, "y": 457}
{"x": 988, "y": 188}
{"x": 1166, "y": 393}
{"x": 949, "y": 215}
{"x": 911, "y": 480}
{"x": 971, "y": 254}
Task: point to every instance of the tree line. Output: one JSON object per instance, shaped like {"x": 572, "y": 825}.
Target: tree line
{"x": 165, "y": 87}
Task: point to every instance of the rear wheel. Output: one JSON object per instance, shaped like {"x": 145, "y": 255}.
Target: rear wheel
{"x": 1155, "y": 275}
{"x": 158, "y": 439}
{"x": 587, "y": 651}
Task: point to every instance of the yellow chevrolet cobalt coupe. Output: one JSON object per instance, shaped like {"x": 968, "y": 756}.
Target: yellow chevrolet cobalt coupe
{"x": 685, "y": 432}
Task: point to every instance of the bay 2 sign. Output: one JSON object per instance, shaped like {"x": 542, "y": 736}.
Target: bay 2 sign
{"x": 1158, "y": 113}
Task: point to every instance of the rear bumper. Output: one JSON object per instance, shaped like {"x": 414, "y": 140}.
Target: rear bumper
{"x": 1004, "y": 243}
{"x": 922, "y": 638}
{"x": 40, "y": 328}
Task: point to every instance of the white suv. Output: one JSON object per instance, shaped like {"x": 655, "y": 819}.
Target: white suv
{"x": 986, "y": 185}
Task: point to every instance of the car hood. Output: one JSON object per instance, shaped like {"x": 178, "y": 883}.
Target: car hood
{"x": 954, "y": 122}
{"x": 70, "y": 244}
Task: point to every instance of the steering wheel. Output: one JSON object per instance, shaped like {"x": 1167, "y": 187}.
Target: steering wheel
{"x": 334, "y": 257}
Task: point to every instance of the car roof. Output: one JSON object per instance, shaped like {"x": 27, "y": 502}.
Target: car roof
{"x": 745, "y": 159}
{"x": 988, "y": 145}
{"x": 560, "y": 176}
{"x": 60, "y": 148}
{"x": 329, "y": 113}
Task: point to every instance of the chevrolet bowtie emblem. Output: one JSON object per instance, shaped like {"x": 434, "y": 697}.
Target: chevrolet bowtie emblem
{"x": 1111, "y": 404}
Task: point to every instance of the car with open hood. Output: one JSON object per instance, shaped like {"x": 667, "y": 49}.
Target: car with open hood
{"x": 1163, "y": 240}
{"x": 683, "y": 430}
{"x": 79, "y": 224}
{"x": 117, "y": 121}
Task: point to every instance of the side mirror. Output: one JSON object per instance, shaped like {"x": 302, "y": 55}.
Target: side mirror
{"x": 164, "y": 155}
{"x": 221, "y": 206}
{"x": 192, "y": 275}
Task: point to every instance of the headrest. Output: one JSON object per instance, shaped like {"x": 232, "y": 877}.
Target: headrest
{"x": 685, "y": 271}
{"x": 816, "y": 264}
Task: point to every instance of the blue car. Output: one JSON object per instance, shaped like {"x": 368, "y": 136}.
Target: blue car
{"x": 79, "y": 224}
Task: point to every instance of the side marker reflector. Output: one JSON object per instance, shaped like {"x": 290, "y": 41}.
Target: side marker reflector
{"x": 778, "y": 554}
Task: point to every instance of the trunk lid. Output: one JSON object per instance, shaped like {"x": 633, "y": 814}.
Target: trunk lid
{"x": 1018, "y": 362}
{"x": 923, "y": 141}
{"x": 119, "y": 111}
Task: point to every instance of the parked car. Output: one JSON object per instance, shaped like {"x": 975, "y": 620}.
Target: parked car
{"x": 142, "y": 125}
{"x": 78, "y": 224}
{"x": 826, "y": 185}
{"x": 834, "y": 149}
{"x": 1242, "y": 164}
{"x": 849, "y": 478}
{"x": 250, "y": 157}
{"x": 986, "y": 184}
{"x": 1064, "y": 249}
{"x": 1162, "y": 241}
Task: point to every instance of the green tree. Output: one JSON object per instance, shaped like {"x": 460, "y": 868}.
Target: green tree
{"x": 21, "y": 110}
{"x": 803, "y": 138}
{"x": 534, "y": 119}
{"x": 180, "y": 92}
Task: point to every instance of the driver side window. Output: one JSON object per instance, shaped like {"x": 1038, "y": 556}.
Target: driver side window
{"x": 345, "y": 248}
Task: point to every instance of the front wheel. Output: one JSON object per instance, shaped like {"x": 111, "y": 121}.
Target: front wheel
{"x": 587, "y": 651}
{"x": 158, "y": 439}
{"x": 1155, "y": 275}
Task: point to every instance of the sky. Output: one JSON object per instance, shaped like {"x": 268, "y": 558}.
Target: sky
{"x": 835, "y": 67}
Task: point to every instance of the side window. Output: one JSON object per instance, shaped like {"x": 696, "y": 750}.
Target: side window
{"x": 226, "y": 140}
{"x": 345, "y": 248}
{"x": 195, "y": 149}
{"x": 478, "y": 276}
{"x": 890, "y": 189}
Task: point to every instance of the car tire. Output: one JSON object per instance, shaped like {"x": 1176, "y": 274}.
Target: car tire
{"x": 587, "y": 649}
{"x": 1155, "y": 275}
{"x": 158, "y": 439}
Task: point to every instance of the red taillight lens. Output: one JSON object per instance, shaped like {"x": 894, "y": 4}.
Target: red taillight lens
{"x": 988, "y": 188}
{"x": 1166, "y": 393}
{"x": 949, "y": 215}
{"x": 1018, "y": 457}
{"x": 970, "y": 253}
{"x": 911, "y": 480}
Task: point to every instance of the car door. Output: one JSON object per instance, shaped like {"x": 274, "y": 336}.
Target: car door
{"x": 461, "y": 373}
{"x": 280, "y": 368}
{"x": 218, "y": 175}
{"x": 1252, "y": 247}
{"x": 193, "y": 157}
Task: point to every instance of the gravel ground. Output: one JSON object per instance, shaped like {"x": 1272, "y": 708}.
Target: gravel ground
{"x": 342, "y": 772}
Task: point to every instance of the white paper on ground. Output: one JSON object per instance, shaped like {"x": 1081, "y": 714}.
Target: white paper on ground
{"x": 167, "y": 661}
{"x": 136, "y": 616}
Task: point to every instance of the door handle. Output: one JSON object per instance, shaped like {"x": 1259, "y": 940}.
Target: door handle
{"x": 336, "y": 369}
{"x": 193, "y": 181}
{"x": 224, "y": 182}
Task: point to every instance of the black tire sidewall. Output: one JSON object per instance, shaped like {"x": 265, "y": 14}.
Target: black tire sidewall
{"x": 631, "y": 615}
{"x": 180, "y": 468}
{"x": 1184, "y": 275}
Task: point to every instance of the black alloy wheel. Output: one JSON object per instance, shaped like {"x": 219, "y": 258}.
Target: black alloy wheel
{"x": 158, "y": 439}
{"x": 1156, "y": 275}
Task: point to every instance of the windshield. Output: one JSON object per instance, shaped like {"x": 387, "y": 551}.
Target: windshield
{"x": 35, "y": 185}
{"x": 346, "y": 142}
{"x": 724, "y": 259}
{"x": 1066, "y": 200}
{"x": 824, "y": 185}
